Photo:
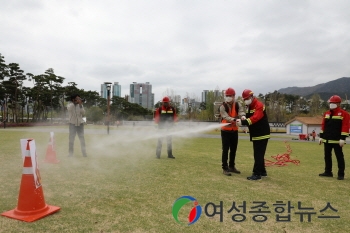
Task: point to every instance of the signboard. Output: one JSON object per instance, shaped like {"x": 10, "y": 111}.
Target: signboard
{"x": 296, "y": 128}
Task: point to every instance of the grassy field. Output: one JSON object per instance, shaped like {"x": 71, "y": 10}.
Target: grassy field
{"x": 122, "y": 187}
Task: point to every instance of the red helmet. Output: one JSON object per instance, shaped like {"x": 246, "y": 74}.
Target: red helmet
{"x": 247, "y": 93}
{"x": 334, "y": 99}
{"x": 166, "y": 99}
{"x": 230, "y": 91}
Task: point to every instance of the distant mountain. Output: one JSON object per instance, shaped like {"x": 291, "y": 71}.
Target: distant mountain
{"x": 339, "y": 87}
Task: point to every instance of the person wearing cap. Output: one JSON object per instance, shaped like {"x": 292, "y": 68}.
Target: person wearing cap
{"x": 165, "y": 117}
{"x": 76, "y": 112}
{"x": 230, "y": 110}
{"x": 259, "y": 131}
{"x": 334, "y": 130}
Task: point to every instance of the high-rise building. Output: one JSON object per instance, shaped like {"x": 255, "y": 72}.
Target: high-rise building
{"x": 103, "y": 91}
{"x": 116, "y": 90}
{"x": 177, "y": 99}
{"x": 218, "y": 95}
{"x": 205, "y": 95}
{"x": 141, "y": 93}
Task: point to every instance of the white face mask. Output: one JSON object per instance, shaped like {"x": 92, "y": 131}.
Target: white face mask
{"x": 248, "y": 102}
{"x": 332, "y": 106}
{"x": 228, "y": 99}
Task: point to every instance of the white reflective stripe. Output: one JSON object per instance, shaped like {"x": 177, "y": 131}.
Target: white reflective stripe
{"x": 28, "y": 153}
{"x": 27, "y": 170}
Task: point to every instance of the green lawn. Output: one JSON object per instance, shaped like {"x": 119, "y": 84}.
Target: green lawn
{"x": 122, "y": 187}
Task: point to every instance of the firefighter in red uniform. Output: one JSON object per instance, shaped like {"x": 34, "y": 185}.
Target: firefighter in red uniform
{"x": 230, "y": 110}
{"x": 259, "y": 131}
{"x": 334, "y": 130}
{"x": 165, "y": 118}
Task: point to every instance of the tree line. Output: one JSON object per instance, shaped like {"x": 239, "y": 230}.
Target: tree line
{"x": 48, "y": 98}
{"x": 279, "y": 107}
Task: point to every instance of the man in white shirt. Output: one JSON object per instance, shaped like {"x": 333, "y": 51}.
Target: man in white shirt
{"x": 76, "y": 112}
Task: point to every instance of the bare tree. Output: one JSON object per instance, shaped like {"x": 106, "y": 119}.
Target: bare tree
{"x": 170, "y": 93}
{"x": 315, "y": 105}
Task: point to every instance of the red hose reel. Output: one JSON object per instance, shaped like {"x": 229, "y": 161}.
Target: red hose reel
{"x": 282, "y": 159}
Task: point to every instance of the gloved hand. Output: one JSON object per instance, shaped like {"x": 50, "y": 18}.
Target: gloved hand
{"x": 341, "y": 143}
{"x": 320, "y": 141}
{"x": 243, "y": 118}
{"x": 238, "y": 122}
{"x": 233, "y": 122}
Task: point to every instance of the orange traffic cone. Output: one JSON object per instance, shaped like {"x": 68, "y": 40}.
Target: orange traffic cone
{"x": 51, "y": 152}
{"x": 31, "y": 203}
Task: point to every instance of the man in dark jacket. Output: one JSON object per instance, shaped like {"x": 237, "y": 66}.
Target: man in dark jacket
{"x": 165, "y": 118}
{"x": 334, "y": 130}
{"x": 259, "y": 131}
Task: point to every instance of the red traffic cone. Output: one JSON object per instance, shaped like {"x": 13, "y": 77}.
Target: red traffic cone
{"x": 51, "y": 152}
{"x": 31, "y": 203}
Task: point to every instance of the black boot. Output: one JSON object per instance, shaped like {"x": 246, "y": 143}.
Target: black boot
{"x": 233, "y": 170}
{"x": 226, "y": 172}
{"x": 170, "y": 154}
{"x": 326, "y": 174}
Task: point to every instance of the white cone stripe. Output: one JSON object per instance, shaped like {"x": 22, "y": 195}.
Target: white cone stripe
{"x": 28, "y": 171}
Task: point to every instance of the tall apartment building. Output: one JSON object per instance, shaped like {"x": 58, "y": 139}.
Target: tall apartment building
{"x": 115, "y": 90}
{"x": 205, "y": 95}
{"x": 177, "y": 99}
{"x": 218, "y": 95}
{"x": 141, "y": 93}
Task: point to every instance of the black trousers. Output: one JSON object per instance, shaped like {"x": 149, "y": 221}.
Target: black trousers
{"x": 338, "y": 154}
{"x": 229, "y": 141}
{"x": 259, "y": 147}
{"x": 74, "y": 130}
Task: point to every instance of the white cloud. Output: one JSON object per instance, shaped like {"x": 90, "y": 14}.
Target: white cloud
{"x": 186, "y": 46}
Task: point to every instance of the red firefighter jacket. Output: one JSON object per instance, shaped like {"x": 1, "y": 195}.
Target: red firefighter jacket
{"x": 256, "y": 121}
{"x": 335, "y": 125}
{"x": 165, "y": 116}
